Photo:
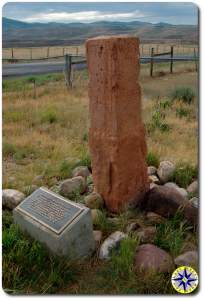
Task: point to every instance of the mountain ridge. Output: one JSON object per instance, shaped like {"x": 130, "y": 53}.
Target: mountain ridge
{"x": 20, "y": 34}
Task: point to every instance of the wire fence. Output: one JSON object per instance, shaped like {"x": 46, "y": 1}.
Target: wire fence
{"x": 34, "y": 53}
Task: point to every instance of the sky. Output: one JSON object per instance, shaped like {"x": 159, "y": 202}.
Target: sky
{"x": 44, "y": 12}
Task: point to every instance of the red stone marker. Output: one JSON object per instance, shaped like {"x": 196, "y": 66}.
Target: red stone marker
{"x": 116, "y": 134}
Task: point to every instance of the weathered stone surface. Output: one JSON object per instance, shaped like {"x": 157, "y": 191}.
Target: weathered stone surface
{"x": 194, "y": 202}
{"x": 94, "y": 200}
{"x": 154, "y": 179}
{"x": 152, "y": 185}
{"x": 97, "y": 236}
{"x": 116, "y": 135}
{"x": 11, "y": 198}
{"x": 193, "y": 187}
{"x": 154, "y": 218}
{"x": 72, "y": 185}
{"x": 147, "y": 234}
{"x": 173, "y": 185}
{"x": 151, "y": 170}
{"x": 165, "y": 170}
{"x": 189, "y": 258}
{"x": 63, "y": 226}
{"x": 165, "y": 201}
{"x": 110, "y": 243}
{"x": 150, "y": 258}
{"x": 81, "y": 171}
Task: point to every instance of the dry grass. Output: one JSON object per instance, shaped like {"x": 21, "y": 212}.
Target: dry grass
{"x": 40, "y": 134}
{"x": 41, "y": 52}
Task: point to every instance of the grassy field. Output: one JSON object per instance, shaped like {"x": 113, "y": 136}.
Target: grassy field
{"x": 45, "y": 133}
{"x": 42, "y": 52}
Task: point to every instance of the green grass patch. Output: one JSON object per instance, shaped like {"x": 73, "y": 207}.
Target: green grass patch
{"x": 152, "y": 159}
{"x": 19, "y": 153}
{"x": 171, "y": 235}
{"x": 14, "y": 85}
{"x": 28, "y": 268}
{"x": 186, "y": 94}
{"x": 184, "y": 174}
{"x": 49, "y": 115}
{"x": 182, "y": 112}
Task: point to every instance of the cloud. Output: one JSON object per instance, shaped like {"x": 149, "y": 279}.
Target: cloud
{"x": 83, "y": 16}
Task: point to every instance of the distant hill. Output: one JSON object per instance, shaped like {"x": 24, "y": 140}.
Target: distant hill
{"x": 21, "y": 34}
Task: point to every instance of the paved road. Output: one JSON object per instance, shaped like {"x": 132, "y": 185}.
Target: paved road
{"x": 42, "y": 67}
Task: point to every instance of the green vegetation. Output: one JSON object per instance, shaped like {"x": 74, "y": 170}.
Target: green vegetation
{"x": 158, "y": 117}
{"x": 27, "y": 267}
{"x": 153, "y": 159}
{"x": 27, "y": 82}
{"x": 186, "y": 94}
{"x": 171, "y": 234}
{"x": 184, "y": 174}
{"x": 48, "y": 115}
{"x": 48, "y": 137}
{"x": 182, "y": 112}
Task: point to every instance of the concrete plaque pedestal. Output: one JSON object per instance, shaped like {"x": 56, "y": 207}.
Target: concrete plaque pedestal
{"x": 63, "y": 226}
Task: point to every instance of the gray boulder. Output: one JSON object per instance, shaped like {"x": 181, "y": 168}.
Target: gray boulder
{"x": 69, "y": 186}
{"x": 173, "y": 185}
{"x": 154, "y": 179}
{"x": 97, "y": 236}
{"x": 194, "y": 202}
{"x": 11, "y": 198}
{"x": 166, "y": 201}
{"x": 149, "y": 258}
{"x": 189, "y": 258}
{"x": 112, "y": 242}
{"x": 81, "y": 171}
{"x": 165, "y": 170}
{"x": 193, "y": 187}
{"x": 94, "y": 200}
{"x": 151, "y": 170}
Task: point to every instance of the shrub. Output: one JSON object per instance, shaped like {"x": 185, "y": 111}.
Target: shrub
{"x": 182, "y": 112}
{"x": 157, "y": 122}
{"x": 164, "y": 104}
{"x": 152, "y": 159}
{"x": 49, "y": 115}
{"x": 184, "y": 174}
{"x": 185, "y": 94}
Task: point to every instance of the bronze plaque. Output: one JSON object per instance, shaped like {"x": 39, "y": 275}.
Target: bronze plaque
{"x": 50, "y": 209}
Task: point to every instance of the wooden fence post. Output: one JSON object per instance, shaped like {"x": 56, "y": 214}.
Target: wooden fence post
{"x": 171, "y": 62}
{"x": 31, "y": 57}
{"x": 12, "y": 55}
{"x": 152, "y": 62}
{"x": 195, "y": 57}
{"x": 68, "y": 66}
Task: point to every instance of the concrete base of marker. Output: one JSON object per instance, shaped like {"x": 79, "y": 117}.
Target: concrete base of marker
{"x": 75, "y": 241}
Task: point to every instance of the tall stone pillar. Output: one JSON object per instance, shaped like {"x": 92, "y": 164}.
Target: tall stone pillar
{"x": 116, "y": 134}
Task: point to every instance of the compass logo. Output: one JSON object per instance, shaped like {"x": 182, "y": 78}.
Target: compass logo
{"x": 184, "y": 280}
